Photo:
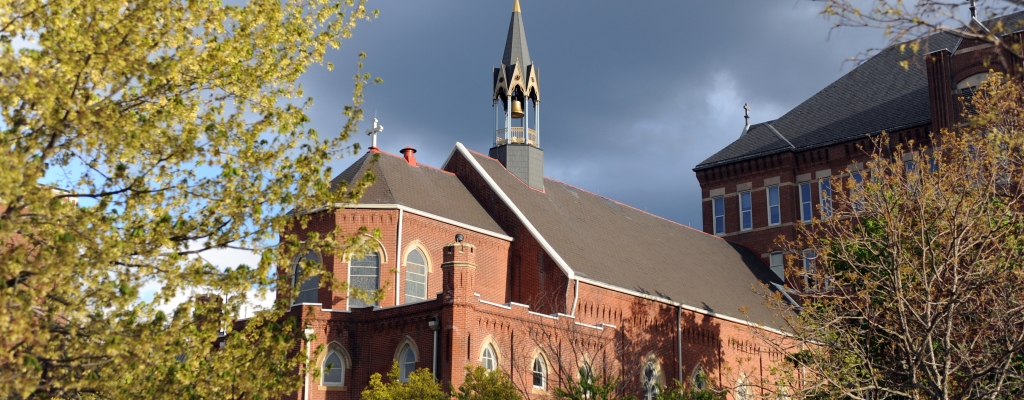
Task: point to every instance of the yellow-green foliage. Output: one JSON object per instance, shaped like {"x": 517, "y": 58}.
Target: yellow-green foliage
{"x": 481, "y": 384}
{"x": 178, "y": 126}
{"x": 421, "y": 386}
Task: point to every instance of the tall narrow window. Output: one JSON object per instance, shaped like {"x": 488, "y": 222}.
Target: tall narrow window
{"x": 718, "y": 210}
{"x": 415, "y": 277}
{"x": 333, "y": 373}
{"x": 774, "y": 211}
{"x": 825, "y": 185}
{"x": 406, "y": 363}
{"x": 858, "y": 180}
{"x": 746, "y": 212}
{"x": 540, "y": 373}
{"x": 308, "y": 288}
{"x": 650, "y": 381}
{"x": 743, "y": 390}
{"x": 810, "y": 270}
{"x": 363, "y": 274}
{"x": 806, "y": 211}
{"x": 488, "y": 358}
{"x": 700, "y": 378}
{"x": 778, "y": 266}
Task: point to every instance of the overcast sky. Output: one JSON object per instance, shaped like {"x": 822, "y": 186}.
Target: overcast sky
{"x": 634, "y": 94}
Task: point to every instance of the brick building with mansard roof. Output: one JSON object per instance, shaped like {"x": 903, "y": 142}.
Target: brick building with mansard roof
{"x": 491, "y": 264}
{"x": 779, "y": 174}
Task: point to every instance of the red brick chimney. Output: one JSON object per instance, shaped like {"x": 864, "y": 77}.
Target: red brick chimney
{"x": 459, "y": 272}
{"x": 409, "y": 157}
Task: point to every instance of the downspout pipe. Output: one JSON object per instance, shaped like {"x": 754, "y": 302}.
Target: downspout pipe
{"x": 308, "y": 334}
{"x": 575, "y": 298}
{"x": 398, "y": 260}
{"x": 435, "y": 325}
{"x": 679, "y": 341}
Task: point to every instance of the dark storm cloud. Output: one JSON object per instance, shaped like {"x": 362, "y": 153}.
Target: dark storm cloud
{"x": 634, "y": 94}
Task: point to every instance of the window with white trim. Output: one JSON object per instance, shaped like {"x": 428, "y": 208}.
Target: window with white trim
{"x": 363, "y": 274}
{"x": 700, "y": 378}
{"x": 489, "y": 359}
{"x": 406, "y": 363}
{"x": 308, "y": 289}
{"x": 746, "y": 212}
{"x": 333, "y": 370}
{"x": 743, "y": 389}
{"x": 806, "y": 211}
{"x": 718, "y": 211}
{"x": 810, "y": 270}
{"x": 778, "y": 264}
{"x": 540, "y": 372}
{"x": 415, "y": 276}
{"x": 825, "y": 187}
{"x": 858, "y": 181}
{"x": 774, "y": 210}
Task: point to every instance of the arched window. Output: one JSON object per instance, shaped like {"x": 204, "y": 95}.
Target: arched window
{"x": 489, "y": 358}
{"x": 333, "y": 370}
{"x": 743, "y": 389}
{"x": 540, "y": 372}
{"x": 364, "y": 274}
{"x": 587, "y": 375}
{"x": 308, "y": 288}
{"x": 406, "y": 362}
{"x": 700, "y": 378}
{"x": 650, "y": 381}
{"x": 415, "y": 276}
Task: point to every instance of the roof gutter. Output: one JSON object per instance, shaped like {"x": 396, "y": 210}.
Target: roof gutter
{"x": 515, "y": 210}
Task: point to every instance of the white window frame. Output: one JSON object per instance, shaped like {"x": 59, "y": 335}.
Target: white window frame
{"x": 341, "y": 366}
{"x": 778, "y": 267}
{"x": 806, "y": 205}
{"x": 825, "y": 201}
{"x": 543, "y": 363}
{"x": 714, "y": 215}
{"x": 409, "y": 274}
{"x": 778, "y": 206}
{"x": 405, "y": 367}
{"x": 749, "y": 212}
{"x": 810, "y": 284}
{"x": 297, "y": 270}
{"x": 493, "y": 359}
{"x": 348, "y": 298}
{"x": 858, "y": 181}
{"x": 650, "y": 386}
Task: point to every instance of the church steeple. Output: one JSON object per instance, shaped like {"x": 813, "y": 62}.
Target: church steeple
{"x": 516, "y": 85}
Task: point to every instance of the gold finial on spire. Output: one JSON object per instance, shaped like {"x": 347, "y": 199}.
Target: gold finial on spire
{"x": 515, "y": 8}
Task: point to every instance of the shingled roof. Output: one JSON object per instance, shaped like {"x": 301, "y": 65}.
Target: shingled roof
{"x": 423, "y": 188}
{"x": 515, "y": 45}
{"x": 609, "y": 242}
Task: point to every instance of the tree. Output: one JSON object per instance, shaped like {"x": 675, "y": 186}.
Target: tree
{"x": 689, "y": 393}
{"x": 914, "y": 283}
{"x": 910, "y": 24}
{"x": 481, "y": 384}
{"x": 420, "y": 386}
{"x": 136, "y": 136}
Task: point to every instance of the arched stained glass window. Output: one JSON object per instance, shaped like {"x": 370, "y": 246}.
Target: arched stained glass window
{"x": 406, "y": 363}
{"x": 308, "y": 288}
{"x": 364, "y": 274}
{"x": 650, "y": 381}
{"x": 333, "y": 372}
{"x": 415, "y": 276}
{"x": 488, "y": 359}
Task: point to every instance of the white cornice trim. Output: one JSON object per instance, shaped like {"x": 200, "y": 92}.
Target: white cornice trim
{"x": 681, "y": 305}
{"x": 515, "y": 210}
{"x": 425, "y": 215}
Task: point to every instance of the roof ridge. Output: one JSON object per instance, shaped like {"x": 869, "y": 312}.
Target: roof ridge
{"x": 418, "y": 164}
{"x": 779, "y": 134}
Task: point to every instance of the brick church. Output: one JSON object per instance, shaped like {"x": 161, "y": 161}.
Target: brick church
{"x": 488, "y": 263}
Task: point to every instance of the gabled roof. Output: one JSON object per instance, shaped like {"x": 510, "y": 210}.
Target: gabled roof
{"x": 605, "y": 241}
{"x": 515, "y": 45}
{"x": 880, "y": 94}
{"x": 420, "y": 187}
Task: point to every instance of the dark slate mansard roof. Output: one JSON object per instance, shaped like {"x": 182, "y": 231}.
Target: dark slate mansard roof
{"x": 878, "y": 95}
{"x": 612, "y": 243}
{"x": 422, "y": 188}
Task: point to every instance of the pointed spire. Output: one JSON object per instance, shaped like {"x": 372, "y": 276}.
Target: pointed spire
{"x": 515, "y": 46}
